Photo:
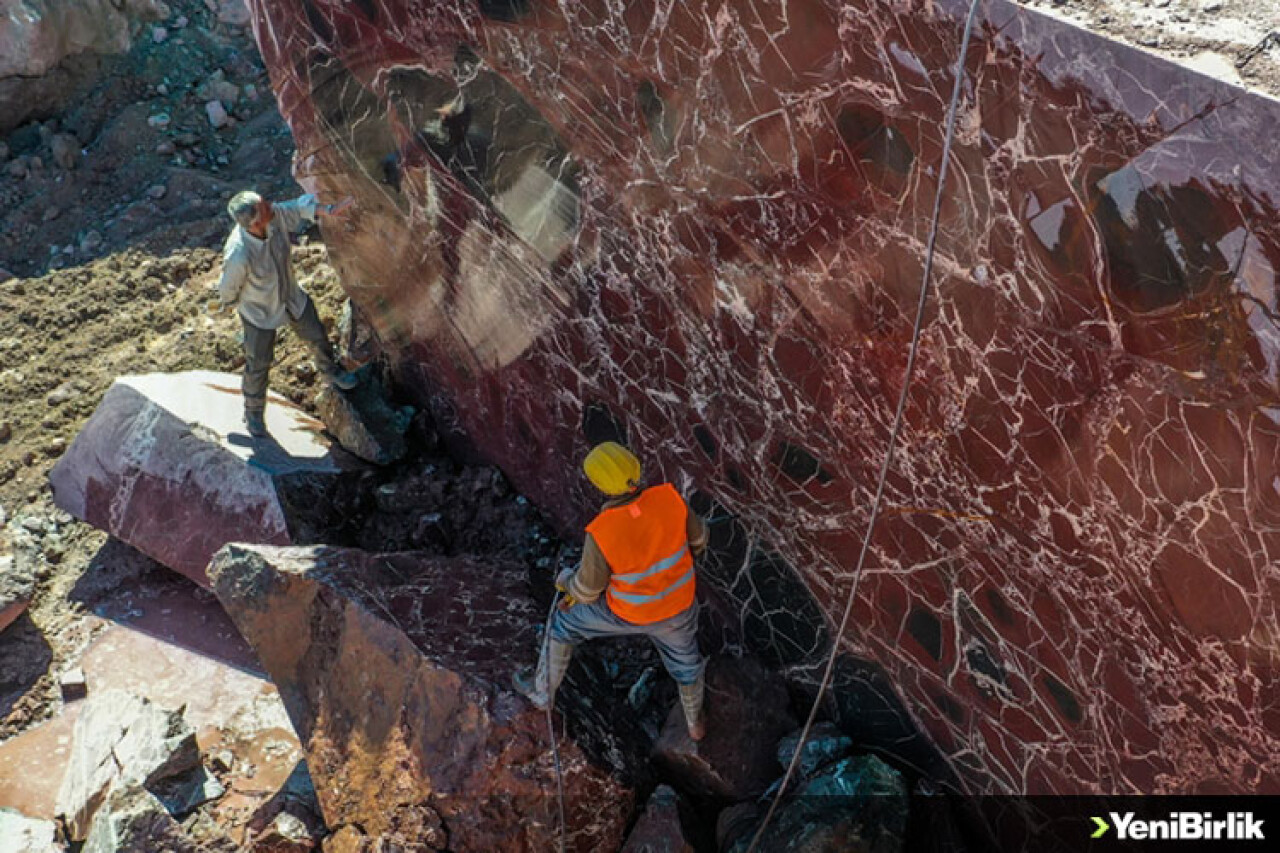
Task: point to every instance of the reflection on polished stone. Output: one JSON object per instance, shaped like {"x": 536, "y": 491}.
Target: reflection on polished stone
{"x": 700, "y": 226}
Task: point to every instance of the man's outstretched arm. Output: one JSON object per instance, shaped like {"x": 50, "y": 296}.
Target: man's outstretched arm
{"x": 306, "y": 208}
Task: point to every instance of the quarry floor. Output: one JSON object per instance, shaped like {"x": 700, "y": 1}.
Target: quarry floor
{"x": 80, "y": 310}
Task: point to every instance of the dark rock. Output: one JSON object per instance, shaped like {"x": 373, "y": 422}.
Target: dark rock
{"x": 47, "y": 50}
{"x": 355, "y": 334}
{"x": 132, "y": 820}
{"x": 857, "y": 805}
{"x": 395, "y": 670}
{"x": 217, "y": 114}
{"x": 737, "y": 822}
{"x": 285, "y": 834}
{"x": 362, "y": 420}
{"x": 73, "y": 685}
{"x": 659, "y": 829}
{"x": 233, "y": 13}
{"x": 65, "y": 150}
{"x": 222, "y": 760}
{"x": 183, "y": 793}
{"x": 166, "y": 465}
{"x": 291, "y": 819}
{"x": 747, "y": 713}
{"x": 825, "y": 744}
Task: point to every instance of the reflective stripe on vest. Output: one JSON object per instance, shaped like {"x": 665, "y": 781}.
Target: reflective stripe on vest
{"x": 642, "y": 599}
{"x": 645, "y": 542}
{"x": 661, "y": 565}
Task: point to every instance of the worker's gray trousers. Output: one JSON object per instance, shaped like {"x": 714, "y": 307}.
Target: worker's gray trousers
{"x": 259, "y": 352}
{"x": 675, "y": 637}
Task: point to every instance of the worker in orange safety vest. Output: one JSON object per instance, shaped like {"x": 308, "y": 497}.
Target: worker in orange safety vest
{"x": 636, "y": 577}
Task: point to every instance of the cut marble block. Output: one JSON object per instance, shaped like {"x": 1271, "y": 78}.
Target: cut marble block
{"x": 396, "y": 671}
{"x": 700, "y": 228}
{"x": 166, "y": 464}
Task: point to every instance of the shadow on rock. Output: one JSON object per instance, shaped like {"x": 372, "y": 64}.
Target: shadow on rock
{"x": 25, "y": 656}
{"x": 123, "y": 585}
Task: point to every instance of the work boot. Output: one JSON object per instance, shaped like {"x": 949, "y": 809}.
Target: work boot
{"x": 256, "y": 422}
{"x": 540, "y": 686}
{"x": 691, "y": 699}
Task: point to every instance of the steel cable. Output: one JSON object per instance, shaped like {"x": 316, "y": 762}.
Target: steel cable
{"x": 893, "y": 434}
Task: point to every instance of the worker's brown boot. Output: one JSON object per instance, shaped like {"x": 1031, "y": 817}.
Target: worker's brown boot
{"x": 540, "y": 686}
{"x": 691, "y": 699}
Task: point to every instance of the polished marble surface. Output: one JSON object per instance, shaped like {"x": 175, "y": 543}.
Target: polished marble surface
{"x": 700, "y": 226}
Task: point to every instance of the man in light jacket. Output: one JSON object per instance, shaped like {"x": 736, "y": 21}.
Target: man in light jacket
{"x": 257, "y": 278}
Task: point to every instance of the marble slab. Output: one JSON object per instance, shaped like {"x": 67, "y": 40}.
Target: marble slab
{"x": 699, "y": 227}
{"x": 165, "y": 463}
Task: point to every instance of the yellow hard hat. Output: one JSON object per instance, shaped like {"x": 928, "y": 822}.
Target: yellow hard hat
{"x": 612, "y": 468}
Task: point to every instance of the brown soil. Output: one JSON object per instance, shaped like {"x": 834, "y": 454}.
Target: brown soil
{"x": 75, "y": 315}
{"x": 1224, "y": 38}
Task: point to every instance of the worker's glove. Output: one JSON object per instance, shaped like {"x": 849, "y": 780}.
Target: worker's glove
{"x": 215, "y": 307}
{"x": 563, "y": 579}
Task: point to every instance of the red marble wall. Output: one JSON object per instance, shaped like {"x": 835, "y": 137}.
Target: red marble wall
{"x": 701, "y": 224}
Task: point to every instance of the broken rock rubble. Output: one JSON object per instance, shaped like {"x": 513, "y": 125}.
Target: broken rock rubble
{"x": 856, "y": 805}
{"x": 126, "y": 748}
{"x": 17, "y": 585}
{"x": 395, "y": 670}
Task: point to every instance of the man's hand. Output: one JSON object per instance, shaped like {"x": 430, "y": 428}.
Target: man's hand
{"x": 215, "y": 307}
{"x": 562, "y": 579}
{"x": 338, "y": 209}
{"x": 566, "y": 602}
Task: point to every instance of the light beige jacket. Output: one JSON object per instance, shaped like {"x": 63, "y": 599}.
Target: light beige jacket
{"x": 257, "y": 276}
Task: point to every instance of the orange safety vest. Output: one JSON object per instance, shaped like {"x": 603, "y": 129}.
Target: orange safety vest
{"x": 646, "y": 545}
